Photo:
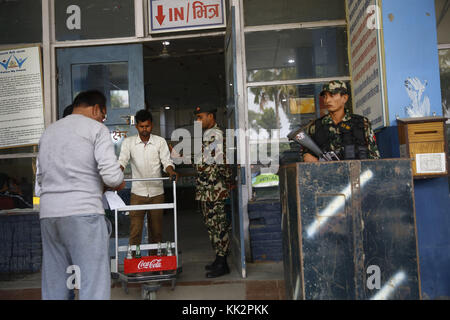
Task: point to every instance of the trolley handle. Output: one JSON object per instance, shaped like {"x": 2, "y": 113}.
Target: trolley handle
{"x": 148, "y": 179}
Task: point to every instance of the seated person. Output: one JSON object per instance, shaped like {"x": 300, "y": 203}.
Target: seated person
{"x": 10, "y": 194}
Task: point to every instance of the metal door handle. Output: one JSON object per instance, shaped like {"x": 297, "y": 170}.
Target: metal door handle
{"x": 129, "y": 119}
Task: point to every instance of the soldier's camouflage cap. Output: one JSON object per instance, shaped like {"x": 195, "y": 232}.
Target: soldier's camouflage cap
{"x": 333, "y": 87}
{"x": 200, "y": 109}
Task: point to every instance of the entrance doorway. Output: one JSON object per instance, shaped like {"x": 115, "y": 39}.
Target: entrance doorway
{"x": 169, "y": 78}
{"x": 180, "y": 75}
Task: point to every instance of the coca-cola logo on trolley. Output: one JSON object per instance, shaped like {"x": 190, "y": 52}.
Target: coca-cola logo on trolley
{"x": 154, "y": 264}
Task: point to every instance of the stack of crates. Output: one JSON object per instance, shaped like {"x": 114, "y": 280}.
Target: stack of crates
{"x": 265, "y": 230}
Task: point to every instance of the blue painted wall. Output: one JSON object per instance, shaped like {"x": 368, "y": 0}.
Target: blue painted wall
{"x": 433, "y": 229}
{"x": 410, "y": 39}
{"x": 409, "y": 30}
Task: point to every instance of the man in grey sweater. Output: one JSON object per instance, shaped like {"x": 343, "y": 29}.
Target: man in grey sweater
{"x": 76, "y": 161}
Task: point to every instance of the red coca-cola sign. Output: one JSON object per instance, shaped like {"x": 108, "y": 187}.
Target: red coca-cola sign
{"x": 150, "y": 264}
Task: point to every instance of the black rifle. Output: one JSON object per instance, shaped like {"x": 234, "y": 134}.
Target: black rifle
{"x": 304, "y": 140}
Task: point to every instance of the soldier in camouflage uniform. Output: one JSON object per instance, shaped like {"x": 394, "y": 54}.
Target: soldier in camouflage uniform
{"x": 213, "y": 181}
{"x": 349, "y": 135}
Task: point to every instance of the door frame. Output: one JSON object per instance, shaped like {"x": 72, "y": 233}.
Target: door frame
{"x": 50, "y": 45}
{"x": 238, "y": 246}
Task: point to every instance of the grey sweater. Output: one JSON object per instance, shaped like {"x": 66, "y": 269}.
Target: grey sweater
{"x": 76, "y": 157}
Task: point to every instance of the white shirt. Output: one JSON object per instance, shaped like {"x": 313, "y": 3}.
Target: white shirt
{"x": 146, "y": 161}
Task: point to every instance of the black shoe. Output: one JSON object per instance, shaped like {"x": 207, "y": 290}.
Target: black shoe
{"x": 211, "y": 265}
{"x": 220, "y": 269}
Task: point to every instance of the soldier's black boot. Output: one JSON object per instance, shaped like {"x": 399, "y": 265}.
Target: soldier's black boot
{"x": 220, "y": 269}
{"x": 211, "y": 265}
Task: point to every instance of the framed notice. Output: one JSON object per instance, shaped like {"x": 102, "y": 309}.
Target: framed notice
{"x": 430, "y": 163}
{"x": 367, "y": 60}
{"x": 21, "y": 97}
{"x": 185, "y": 15}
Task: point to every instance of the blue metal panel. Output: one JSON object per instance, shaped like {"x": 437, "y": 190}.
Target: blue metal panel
{"x": 433, "y": 221}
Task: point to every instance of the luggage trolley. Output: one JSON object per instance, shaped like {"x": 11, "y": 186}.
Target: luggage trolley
{"x": 153, "y": 269}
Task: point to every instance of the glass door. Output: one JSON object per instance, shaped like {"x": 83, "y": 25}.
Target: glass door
{"x": 233, "y": 150}
{"x": 117, "y": 71}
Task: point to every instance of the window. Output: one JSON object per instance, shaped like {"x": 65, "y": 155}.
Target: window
{"x": 296, "y": 54}
{"x": 17, "y": 177}
{"x": 109, "y": 78}
{"x": 265, "y": 12}
{"x": 444, "y": 63}
{"x": 273, "y": 112}
{"x": 87, "y": 19}
{"x": 443, "y": 21}
{"x": 292, "y": 48}
{"x": 443, "y": 25}
{"x": 21, "y": 21}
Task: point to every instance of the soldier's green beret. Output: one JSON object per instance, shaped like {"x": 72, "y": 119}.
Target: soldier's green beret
{"x": 333, "y": 87}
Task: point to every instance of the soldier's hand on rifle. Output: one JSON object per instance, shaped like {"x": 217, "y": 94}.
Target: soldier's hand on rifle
{"x": 309, "y": 158}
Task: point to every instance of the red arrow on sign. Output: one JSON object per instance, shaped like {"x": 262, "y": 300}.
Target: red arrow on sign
{"x": 160, "y": 17}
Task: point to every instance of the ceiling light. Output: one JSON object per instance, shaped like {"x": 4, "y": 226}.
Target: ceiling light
{"x": 164, "y": 53}
{"x": 291, "y": 61}
{"x": 166, "y": 43}
{"x": 167, "y": 107}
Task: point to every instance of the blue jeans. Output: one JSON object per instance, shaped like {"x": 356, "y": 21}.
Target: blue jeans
{"x": 75, "y": 245}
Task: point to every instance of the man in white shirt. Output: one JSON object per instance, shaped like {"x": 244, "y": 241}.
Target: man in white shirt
{"x": 147, "y": 154}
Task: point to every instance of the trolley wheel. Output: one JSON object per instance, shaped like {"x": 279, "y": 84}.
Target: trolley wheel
{"x": 149, "y": 292}
{"x": 174, "y": 282}
{"x": 148, "y": 295}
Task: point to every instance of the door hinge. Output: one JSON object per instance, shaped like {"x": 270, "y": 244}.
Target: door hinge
{"x": 58, "y": 79}
{"x": 243, "y": 176}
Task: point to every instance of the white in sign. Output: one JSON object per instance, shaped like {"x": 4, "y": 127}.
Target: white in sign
{"x": 176, "y": 15}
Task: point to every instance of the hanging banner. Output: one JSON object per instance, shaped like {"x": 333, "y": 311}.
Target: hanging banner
{"x": 21, "y": 97}
{"x": 366, "y": 60}
{"x": 184, "y": 15}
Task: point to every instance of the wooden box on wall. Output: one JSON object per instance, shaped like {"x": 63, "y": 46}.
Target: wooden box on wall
{"x": 423, "y": 140}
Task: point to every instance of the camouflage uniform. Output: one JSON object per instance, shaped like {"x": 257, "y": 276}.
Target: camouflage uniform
{"x": 335, "y": 136}
{"x": 213, "y": 180}
{"x": 336, "y": 131}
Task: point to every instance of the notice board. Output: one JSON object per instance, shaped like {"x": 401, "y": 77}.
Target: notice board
{"x": 367, "y": 60}
{"x": 21, "y": 97}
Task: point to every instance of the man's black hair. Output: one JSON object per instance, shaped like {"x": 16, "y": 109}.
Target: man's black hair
{"x": 68, "y": 110}
{"x": 90, "y": 98}
{"x": 143, "y": 115}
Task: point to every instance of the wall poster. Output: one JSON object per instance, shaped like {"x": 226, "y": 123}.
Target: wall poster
{"x": 21, "y": 97}
{"x": 366, "y": 60}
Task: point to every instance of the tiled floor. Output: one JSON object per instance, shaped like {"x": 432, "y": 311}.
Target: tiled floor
{"x": 229, "y": 287}
{"x": 264, "y": 281}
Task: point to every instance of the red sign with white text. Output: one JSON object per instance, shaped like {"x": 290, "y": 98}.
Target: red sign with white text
{"x": 178, "y": 15}
{"x": 150, "y": 264}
